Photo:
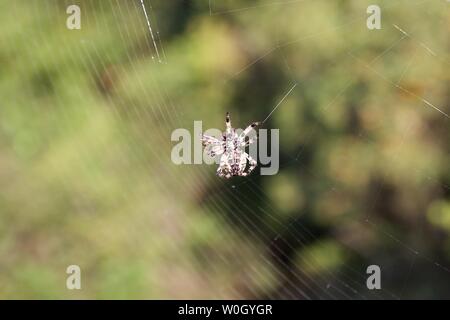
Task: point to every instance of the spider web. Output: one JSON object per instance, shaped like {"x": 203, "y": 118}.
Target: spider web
{"x": 219, "y": 238}
{"x": 295, "y": 281}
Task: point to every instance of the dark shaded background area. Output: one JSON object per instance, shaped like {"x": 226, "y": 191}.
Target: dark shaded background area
{"x": 86, "y": 176}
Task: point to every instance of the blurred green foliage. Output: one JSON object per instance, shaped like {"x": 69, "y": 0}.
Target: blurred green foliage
{"x": 85, "y": 171}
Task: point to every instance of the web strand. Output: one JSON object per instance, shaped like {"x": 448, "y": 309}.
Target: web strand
{"x": 279, "y": 103}
{"x": 151, "y": 31}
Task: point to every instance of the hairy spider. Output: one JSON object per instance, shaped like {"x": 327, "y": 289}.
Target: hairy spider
{"x": 233, "y": 160}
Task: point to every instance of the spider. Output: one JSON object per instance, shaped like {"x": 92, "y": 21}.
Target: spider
{"x": 233, "y": 160}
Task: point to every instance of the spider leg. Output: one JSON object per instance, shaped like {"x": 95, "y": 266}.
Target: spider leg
{"x": 244, "y": 133}
{"x": 206, "y": 140}
{"x": 228, "y": 123}
{"x": 248, "y": 129}
{"x": 252, "y": 163}
{"x": 213, "y": 146}
{"x": 249, "y": 142}
{"x": 214, "y": 150}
